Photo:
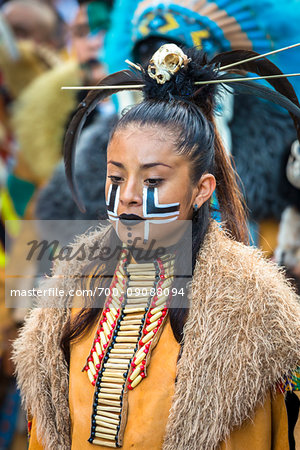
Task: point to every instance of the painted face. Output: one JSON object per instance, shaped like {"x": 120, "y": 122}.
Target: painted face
{"x": 148, "y": 185}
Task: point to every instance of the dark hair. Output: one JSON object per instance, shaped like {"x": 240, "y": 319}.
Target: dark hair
{"x": 196, "y": 138}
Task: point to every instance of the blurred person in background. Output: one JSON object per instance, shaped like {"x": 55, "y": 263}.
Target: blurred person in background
{"x": 39, "y": 131}
{"x": 32, "y": 20}
{"x": 33, "y": 76}
{"x": 29, "y": 48}
{"x": 36, "y": 37}
{"x": 30, "y": 39}
{"x": 86, "y": 45}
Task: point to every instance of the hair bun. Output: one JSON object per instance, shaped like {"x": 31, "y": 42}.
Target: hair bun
{"x": 172, "y": 73}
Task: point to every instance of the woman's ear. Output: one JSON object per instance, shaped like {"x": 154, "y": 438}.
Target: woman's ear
{"x": 204, "y": 189}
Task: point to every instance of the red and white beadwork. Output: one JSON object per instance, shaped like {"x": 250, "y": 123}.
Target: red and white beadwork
{"x": 108, "y": 321}
{"x": 129, "y": 328}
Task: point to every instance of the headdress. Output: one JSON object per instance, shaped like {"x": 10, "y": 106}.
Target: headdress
{"x": 215, "y": 26}
{"x": 221, "y": 25}
{"x": 174, "y": 73}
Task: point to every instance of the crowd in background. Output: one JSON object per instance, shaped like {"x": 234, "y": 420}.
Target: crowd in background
{"x": 45, "y": 45}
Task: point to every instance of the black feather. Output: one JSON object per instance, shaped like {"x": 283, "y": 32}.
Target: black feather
{"x": 252, "y": 88}
{"x": 262, "y": 67}
{"x": 124, "y": 77}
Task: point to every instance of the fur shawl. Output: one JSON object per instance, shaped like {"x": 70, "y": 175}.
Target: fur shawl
{"x": 242, "y": 335}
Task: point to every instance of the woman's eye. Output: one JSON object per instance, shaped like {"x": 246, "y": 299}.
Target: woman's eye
{"x": 154, "y": 181}
{"x": 115, "y": 179}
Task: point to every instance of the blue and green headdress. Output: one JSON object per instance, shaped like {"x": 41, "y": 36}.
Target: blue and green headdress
{"x": 215, "y": 26}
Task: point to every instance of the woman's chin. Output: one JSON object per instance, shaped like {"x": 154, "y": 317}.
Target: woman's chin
{"x": 149, "y": 235}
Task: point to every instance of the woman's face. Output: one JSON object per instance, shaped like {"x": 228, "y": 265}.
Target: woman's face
{"x": 146, "y": 178}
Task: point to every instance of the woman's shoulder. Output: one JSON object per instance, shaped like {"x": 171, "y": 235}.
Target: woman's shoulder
{"x": 52, "y": 309}
{"x": 234, "y": 284}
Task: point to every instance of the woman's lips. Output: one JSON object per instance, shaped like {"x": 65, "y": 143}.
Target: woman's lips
{"x": 124, "y": 218}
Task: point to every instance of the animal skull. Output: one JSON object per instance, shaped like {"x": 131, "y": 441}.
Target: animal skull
{"x": 168, "y": 59}
{"x": 293, "y": 165}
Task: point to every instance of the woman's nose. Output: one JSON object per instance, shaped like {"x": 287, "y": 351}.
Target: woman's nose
{"x": 131, "y": 194}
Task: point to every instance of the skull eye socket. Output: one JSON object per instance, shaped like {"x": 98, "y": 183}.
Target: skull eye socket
{"x": 172, "y": 60}
{"x": 153, "y": 70}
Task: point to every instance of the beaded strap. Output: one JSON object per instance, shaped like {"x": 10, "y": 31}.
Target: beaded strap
{"x": 108, "y": 320}
{"x": 129, "y": 329}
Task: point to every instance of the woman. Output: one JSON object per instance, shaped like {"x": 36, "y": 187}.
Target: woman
{"x": 200, "y": 367}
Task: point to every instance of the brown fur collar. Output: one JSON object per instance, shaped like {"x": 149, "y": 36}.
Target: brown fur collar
{"x": 242, "y": 335}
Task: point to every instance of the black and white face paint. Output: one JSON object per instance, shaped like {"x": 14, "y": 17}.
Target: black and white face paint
{"x": 153, "y": 211}
{"x": 112, "y": 203}
{"x": 163, "y": 213}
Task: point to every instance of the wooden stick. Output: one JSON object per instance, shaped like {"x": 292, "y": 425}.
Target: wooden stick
{"x": 260, "y": 56}
{"x": 89, "y": 88}
{"x": 133, "y": 65}
{"x": 233, "y": 80}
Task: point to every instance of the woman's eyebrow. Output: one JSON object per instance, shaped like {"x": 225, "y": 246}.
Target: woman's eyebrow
{"x": 149, "y": 165}
{"x": 115, "y": 163}
{"x": 143, "y": 166}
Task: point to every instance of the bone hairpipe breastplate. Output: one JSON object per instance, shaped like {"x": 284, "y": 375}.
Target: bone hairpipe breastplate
{"x": 130, "y": 325}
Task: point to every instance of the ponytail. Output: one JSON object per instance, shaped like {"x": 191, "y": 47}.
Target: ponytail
{"x": 231, "y": 202}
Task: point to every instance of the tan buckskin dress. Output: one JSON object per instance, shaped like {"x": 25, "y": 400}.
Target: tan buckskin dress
{"x": 150, "y": 402}
{"x": 241, "y": 336}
